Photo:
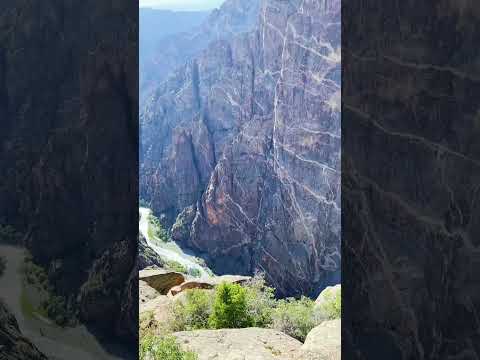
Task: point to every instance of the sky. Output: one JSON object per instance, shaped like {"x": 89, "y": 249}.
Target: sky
{"x": 181, "y": 4}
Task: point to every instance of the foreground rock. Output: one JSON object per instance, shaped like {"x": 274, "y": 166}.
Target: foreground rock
{"x": 327, "y": 293}
{"x": 323, "y": 342}
{"x": 209, "y": 283}
{"x": 236, "y": 344}
{"x": 161, "y": 280}
{"x": 13, "y": 346}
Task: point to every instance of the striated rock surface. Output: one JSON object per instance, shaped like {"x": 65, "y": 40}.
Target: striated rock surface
{"x": 13, "y": 346}
{"x": 233, "y": 17}
{"x": 243, "y": 143}
{"x": 68, "y": 93}
{"x": 411, "y": 175}
{"x": 236, "y": 344}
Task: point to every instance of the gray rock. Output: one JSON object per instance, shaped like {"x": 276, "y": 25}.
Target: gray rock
{"x": 239, "y": 344}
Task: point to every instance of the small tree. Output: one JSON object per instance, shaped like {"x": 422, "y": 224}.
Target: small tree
{"x": 230, "y": 308}
{"x": 294, "y": 317}
{"x": 193, "y": 313}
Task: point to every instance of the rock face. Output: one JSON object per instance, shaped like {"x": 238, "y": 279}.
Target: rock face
{"x": 328, "y": 292}
{"x": 324, "y": 340}
{"x": 147, "y": 257}
{"x": 68, "y": 92}
{"x": 236, "y": 344}
{"x": 243, "y": 143}
{"x": 206, "y": 284}
{"x": 13, "y": 346}
{"x": 411, "y": 169}
{"x": 233, "y": 17}
{"x": 161, "y": 280}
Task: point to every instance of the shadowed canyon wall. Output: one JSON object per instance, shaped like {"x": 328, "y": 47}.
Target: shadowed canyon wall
{"x": 69, "y": 148}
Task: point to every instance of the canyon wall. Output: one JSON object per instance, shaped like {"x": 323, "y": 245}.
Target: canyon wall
{"x": 240, "y": 149}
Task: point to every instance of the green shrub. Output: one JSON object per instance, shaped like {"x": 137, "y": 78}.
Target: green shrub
{"x": 3, "y": 265}
{"x": 9, "y": 235}
{"x": 194, "y": 272}
{"x": 156, "y": 230}
{"x": 260, "y": 301}
{"x": 230, "y": 307}
{"x": 193, "y": 313}
{"x": 331, "y": 306}
{"x": 57, "y": 309}
{"x": 162, "y": 348}
{"x": 175, "y": 266}
{"x": 294, "y": 317}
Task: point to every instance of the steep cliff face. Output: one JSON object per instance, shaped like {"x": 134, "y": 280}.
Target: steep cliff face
{"x": 233, "y": 17}
{"x": 411, "y": 180}
{"x": 244, "y": 143}
{"x": 69, "y": 143}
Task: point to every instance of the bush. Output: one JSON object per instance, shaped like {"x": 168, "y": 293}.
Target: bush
{"x": 260, "y": 301}
{"x": 57, "y": 309}
{"x": 230, "y": 307}
{"x": 9, "y": 235}
{"x": 330, "y": 308}
{"x": 192, "y": 313}
{"x": 175, "y": 266}
{"x": 194, "y": 272}
{"x": 162, "y": 348}
{"x": 295, "y": 317}
{"x": 3, "y": 265}
{"x": 156, "y": 230}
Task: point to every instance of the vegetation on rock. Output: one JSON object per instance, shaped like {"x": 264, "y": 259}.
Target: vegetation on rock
{"x": 294, "y": 317}
{"x": 162, "y": 348}
{"x": 156, "y": 230}
{"x": 230, "y": 308}
{"x": 9, "y": 235}
{"x": 54, "y": 306}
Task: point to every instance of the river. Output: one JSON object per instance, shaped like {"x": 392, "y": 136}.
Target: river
{"x": 177, "y": 255}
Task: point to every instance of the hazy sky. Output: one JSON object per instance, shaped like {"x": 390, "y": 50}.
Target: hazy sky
{"x": 181, "y": 4}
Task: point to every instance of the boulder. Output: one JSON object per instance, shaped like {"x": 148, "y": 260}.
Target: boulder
{"x": 209, "y": 283}
{"x": 161, "y": 280}
{"x": 323, "y": 342}
{"x": 159, "y": 307}
{"x": 328, "y": 291}
{"x": 239, "y": 344}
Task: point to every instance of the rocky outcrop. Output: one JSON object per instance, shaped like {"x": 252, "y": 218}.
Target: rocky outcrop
{"x": 324, "y": 341}
{"x": 147, "y": 257}
{"x": 13, "y": 346}
{"x": 328, "y": 293}
{"x": 161, "y": 280}
{"x": 208, "y": 283}
{"x": 247, "y": 136}
{"x": 68, "y": 93}
{"x": 232, "y": 344}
